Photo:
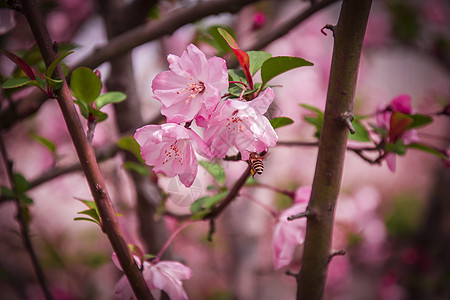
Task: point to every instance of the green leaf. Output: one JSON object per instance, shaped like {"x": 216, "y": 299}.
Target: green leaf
{"x": 217, "y": 41}
{"x": 86, "y": 219}
{"x": 316, "y": 121}
{"x": 56, "y": 84}
{"x": 91, "y": 213}
{"x": 129, "y": 144}
{"x": 215, "y": 170}
{"x": 44, "y": 142}
{"x": 280, "y": 122}
{"x": 251, "y": 181}
{"x": 420, "y": 120}
{"x": 312, "y": 108}
{"x": 361, "y": 134}
{"x": 85, "y": 85}
{"x": 83, "y": 108}
{"x": 428, "y": 149}
{"x": 25, "y": 200}
{"x": 88, "y": 203}
{"x": 21, "y": 185}
{"x": 207, "y": 202}
{"x": 237, "y": 75}
{"x": 16, "y": 82}
{"x": 6, "y": 192}
{"x": 101, "y": 116}
{"x": 275, "y": 66}
{"x": 257, "y": 58}
{"x": 53, "y": 65}
{"x": 397, "y": 148}
{"x": 137, "y": 167}
{"x": 109, "y": 97}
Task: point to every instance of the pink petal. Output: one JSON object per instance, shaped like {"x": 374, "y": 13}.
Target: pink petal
{"x": 123, "y": 289}
{"x": 261, "y": 103}
{"x": 390, "y": 161}
{"x": 218, "y": 75}
{"x": 402, "y": 104}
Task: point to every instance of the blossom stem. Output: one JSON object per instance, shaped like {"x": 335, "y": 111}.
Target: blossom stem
{"x": 172, "y": 238}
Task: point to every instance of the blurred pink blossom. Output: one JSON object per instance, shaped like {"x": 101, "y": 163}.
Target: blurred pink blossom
{"x": 386, "y": 119}
{"x": 288, "y": 234}
{"x": 243, "y": 125}
{"x": 164, "y": 276}
{"x": 191, "y": 89}
{"x": 170, "y": 149}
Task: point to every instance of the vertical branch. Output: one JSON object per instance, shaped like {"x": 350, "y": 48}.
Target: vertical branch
{"x": 23, "y": 223}
{"x": 86, "y": 156}
{"x": 348, "y": 40}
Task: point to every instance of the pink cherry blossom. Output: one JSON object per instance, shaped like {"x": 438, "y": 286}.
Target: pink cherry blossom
{"x": 191, "y": 89}
{"x": 288, "y": 234}
{"x": 169, "y": 148}
{"x": 164, "y": 276}
{"x": 243, "y": 125}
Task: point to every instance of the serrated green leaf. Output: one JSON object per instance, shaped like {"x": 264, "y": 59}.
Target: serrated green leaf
{"x": 428, "y": 149}
{"x": 16, "y": 82}
{"x": 44, "y": 142}
{"x": 129, "y": 144}
{"x": 216, "y": 171}
{"x": 361, "y": 134}
{"x": 137, "y": 167}
{"x": 280, "y": 122}
{"x": 109, "y": 97}
{"x": 257, "y": 58}
{"x": 53, "y": 65}
{"x": 21, "y": 185}
{"x": 275, "y": 66}
{"x": 420, "y": 120}
{"x": 85, "y": 85}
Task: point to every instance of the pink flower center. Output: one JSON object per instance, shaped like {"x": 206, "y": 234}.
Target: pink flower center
{"x": 235, "y": 122}
{"x": 193, "y": 89}
{"x": 173, "y": 152}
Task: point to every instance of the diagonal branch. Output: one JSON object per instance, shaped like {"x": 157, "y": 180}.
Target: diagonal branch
{"x": 86, "y": 156}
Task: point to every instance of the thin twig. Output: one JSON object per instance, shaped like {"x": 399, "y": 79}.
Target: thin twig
{"x": 24, "y": 227}
{"x": 336, "y": 253}
{"x": 231, "y": 195}
{"x": 172, "y": 238}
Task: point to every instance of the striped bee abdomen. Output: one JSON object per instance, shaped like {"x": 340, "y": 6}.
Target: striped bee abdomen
{"x": 256, "y": 163}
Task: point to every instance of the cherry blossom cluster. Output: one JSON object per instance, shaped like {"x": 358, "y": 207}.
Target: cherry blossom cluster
{"x": 191, "y": 91}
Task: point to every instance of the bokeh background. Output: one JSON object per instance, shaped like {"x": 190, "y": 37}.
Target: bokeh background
{"x": 394, "y": 226}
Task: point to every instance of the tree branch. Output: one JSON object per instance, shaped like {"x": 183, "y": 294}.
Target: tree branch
{"x": 24, "y": 227}
{"x": 349, "y": 36}
{"x": 86, "y": 155}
